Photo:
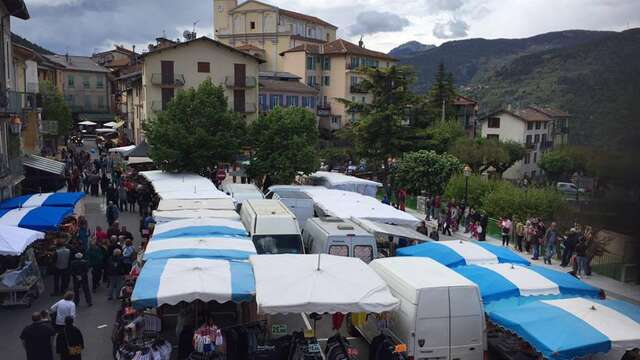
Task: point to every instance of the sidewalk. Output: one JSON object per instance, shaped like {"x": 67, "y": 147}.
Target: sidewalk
{"x": 613, "y": 288}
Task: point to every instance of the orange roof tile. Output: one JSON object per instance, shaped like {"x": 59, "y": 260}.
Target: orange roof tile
{"x": 339, "y": 46}
{"x": 309, "y": 18}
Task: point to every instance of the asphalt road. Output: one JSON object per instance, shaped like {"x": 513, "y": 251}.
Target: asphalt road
{"x": 90, "y": 320}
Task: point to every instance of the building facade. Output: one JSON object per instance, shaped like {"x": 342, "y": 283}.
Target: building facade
{"x": 534, "y": 127}
{"x": 11, "y": 103}
{"x": 167, "y": 70}
{"x": 332, "y": 69}
{"x": 25, "y": 73}
{"x": 467, "y": 114}
{"x": 285, "y": 90}
{"x": 267, "y": 29}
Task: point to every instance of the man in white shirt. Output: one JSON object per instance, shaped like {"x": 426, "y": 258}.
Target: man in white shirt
{"x": 63, "y": 308}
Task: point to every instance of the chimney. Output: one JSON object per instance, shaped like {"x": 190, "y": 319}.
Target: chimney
{"x": 361, "y": 43}
{"x": 133, "y": 60}
{"x": 66, "y": 57}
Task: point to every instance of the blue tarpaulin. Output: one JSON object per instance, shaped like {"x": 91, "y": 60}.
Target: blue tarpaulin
{"x": 38, "y": 218}
{"x": 457, "y": 253}
{"x": 61, "y": 199}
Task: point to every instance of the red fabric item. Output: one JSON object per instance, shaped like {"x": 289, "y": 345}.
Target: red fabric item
{"x": 336, "y": 320}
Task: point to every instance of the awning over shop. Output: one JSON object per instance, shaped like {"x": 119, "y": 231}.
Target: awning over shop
{"x": 454, "y": 253}
{"x": 199, "y": 227}
{"x": 141, "y": 150}
{"x": 575, "y": 327}
{"x": 196, "y": 204}
{"x": 138, "y": 160}
{"x": 38, "y": 218}
{"x": 170, "y": 281}
{"x": 209, "y": 247}
{"x": 14, "y": 240}
{"x": 182, "y": 185}
{"x": 97, "y": 117}
{"x": 122, "y": 150}
{"x": 62, "y": 199}
{"x": 44, "y": 164}
{"x": 319, "y": 283}
{"x": 502, "y": 281}
{"x": 351, "y": 205}
{"x": 87, "y": 123}
{"x": 171, "y": 215}
{"x": 391, "y": 230}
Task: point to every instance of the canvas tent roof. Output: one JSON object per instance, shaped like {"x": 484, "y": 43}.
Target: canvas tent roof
{"x": 14, "y": 240}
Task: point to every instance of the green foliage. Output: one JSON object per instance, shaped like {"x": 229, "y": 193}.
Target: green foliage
{"x": 284, "y": 143}
{"x": 196, "y": 131}
{"x": 335, "y": 156}
{"x": 426, "y": 170}
{"x": 443, "y": 134}
{"x": 557, "y": 164}
{"x": 507, "y": 199}
{"x": 54, "y": 108}
{"x": 478, "y": 188}
{"x": 442, "y": 92}
{"x": 480, "y": 154}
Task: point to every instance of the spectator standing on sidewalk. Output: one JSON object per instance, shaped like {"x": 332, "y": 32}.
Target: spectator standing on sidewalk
{"x": 581, "y": 257}
{"x": 505, "y": 229}
{"x": 534, "y": 237}
{"x": 570, "y": 243}
{"x": 484, "y": 223}
{"x": 519, "y": 231}
{"x": 122, "y": 197}
{"x": 550, "y": 240}
{"x": 427, "y": 207}
{"x": 83, "y": 232}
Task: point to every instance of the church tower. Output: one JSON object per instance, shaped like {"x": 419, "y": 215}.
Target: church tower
{"x": 221, "y": 18}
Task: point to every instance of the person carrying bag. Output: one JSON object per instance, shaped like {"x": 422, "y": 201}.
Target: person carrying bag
{"x": 69, "y": 343}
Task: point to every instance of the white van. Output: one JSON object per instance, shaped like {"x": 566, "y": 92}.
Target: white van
{"x": 440, "y": 314}
{"x": 300, "y": 204}
{"x": 273, "y": 228}
{"x": 242, "y": 192}
{"x": 335, "y": 236}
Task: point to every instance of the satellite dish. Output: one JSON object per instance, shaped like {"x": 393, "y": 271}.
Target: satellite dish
{"x": 187, "y": 34}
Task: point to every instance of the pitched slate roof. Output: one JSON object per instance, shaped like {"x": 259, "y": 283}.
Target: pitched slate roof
{"x": 79, "y": 63}
{"x": 337, "y": 47}
{"x": 203, "y": 38}
{"x": 304, "y": 17}
{"x": 285, "y": 86}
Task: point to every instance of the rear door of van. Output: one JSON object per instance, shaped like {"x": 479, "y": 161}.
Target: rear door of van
{"x": 467, "y": 323}
{"x": 432, "y": 324}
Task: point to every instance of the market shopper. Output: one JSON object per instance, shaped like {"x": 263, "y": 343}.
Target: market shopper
{"x": 61, "y": 261}
{"x": 112, "y": 213}
{"x": 581, "y": 257}
{"x": 550, "y": 240}
{"x": 570, "y": 243}
{"x": 80, "y": 273}
{"x": 115, "y": 270}
{"x": 69, "y": 342}
{"x": 83, "y": 232}
{"x": 96, "y": 256}
{"x": 64, "y": 308}
{"x": 37, "y": 338}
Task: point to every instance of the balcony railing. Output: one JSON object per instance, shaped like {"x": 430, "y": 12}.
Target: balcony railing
{"x": 249, "y": 108}
{"x": 168, "y": 79}
{"x": 240, "y": 83}
{"x": 358, "y": 89}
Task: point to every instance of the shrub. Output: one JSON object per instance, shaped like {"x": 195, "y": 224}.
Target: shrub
{"x": 507, "y": 199}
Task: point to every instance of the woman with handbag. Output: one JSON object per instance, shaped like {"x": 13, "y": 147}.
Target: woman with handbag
{"x": 69, "y": 343}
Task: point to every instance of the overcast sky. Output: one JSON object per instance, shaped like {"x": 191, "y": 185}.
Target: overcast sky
{"x": 85, "y": 26}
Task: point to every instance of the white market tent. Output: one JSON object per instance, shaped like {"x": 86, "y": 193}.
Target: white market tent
{"x": 350, "y": 205}
{"x": 139, "y": 160}
{"x": 317, "y": 283}
{"x": 195, "y": 204}
{"x": 123, "y": 150}
{"x": 182, "y": 185}
{"x": 105, "y": 131}
{"x": 172, "y": 215}
{"x": 14, "y": 240}
{"x": 391, "y": 230}
{"x": 87, "y": 123}
{"x": 344, "y": 182}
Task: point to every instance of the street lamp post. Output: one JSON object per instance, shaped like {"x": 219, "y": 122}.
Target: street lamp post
{"x": 467, "y": 173}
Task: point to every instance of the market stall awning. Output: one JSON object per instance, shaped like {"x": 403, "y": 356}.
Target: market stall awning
{"x": 141, "y": 150}
{"x": 182, "y": 185}
{"x": 123, "y": 150}
{"x": 351, "y": 205}
{"x": 14, "y": 240}
{"x": 44, "y": 164}
{"x": 454, "y": 253}
{"x": 62, "y": 199}
{"x": 138, "y": 160}
{"x": 113, "y": 124}
{"x": 344, "y": 182}
{"x": 172, "y": 215}
{"x": 209, "y": 247}
{"x": 96, "y": 117}
{"x": 105, "y": 131}
{"x": 196, "y": 204}
{"x": 170, "y": 281}
{"x": 38, "y": 218}
{"x": 199, "y": 227}
{"x": 502, "y": 281}
{"x": 391, "y": 230}
{"x": 291, "y": 283}
{"x": 87, "y": 123}
{"x": 575, "y": 327}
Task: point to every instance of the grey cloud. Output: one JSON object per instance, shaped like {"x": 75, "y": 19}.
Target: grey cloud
{"x": 444, "y": 5}
{"x": 454, "y": 28}
{"x": 81, "y": 26}
{"x": 371, "y": 22}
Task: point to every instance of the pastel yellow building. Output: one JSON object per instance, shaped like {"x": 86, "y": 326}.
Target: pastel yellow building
{"x": 266, "y": 30}
{"x": 169, "y": 69}
{"x": 330, "y": 68}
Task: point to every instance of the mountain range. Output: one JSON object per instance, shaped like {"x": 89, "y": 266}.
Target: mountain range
{"x": 594, "y": 75}
{"x": 409, "y": 49}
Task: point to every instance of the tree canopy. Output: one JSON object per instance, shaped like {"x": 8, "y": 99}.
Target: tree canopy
{"x": 284, "y": 143}
{"x": 196, "y": 131}
{"x": 481, "y": 154}
{"x": 442, "y": 92}
{"x": 54, "y": 108}
{"x": 426, "y": 170}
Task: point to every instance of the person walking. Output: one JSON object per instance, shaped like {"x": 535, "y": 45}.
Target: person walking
{"x": 484, "y": 223}
{"x": 69, "y": 342}
{"x": 520, "y": 231}
{"x": 112, "y": 213}
{"x": 581, "y": 257}
{"x": 570, "y": 243}
{"x": 550, "y": 240}
{"x": 37, "y": 339}
{"x": 505, "y": 229}
{"x": 115, "y": 270}
{"x": 96, "y": 256}
{"x": 122, "y": 197}
{"x": 104, "y": 183}
{"x": 128, "y": 255}
{"x": 402, "y": 198}
{"x": 83, "y": 232}
{"x": 534, "y": 237}
{"x": 63, "y": 308}
{"x": 62, "y": 257}
{"x": 80, "y": 273}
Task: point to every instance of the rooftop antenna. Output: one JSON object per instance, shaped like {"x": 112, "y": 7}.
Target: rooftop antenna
{"x": 194, "y": 26}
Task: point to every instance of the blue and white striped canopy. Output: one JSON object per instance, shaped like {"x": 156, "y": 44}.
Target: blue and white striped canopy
{"x": 503, "y": 281}
{"x": 455, "y": 253}
{"x": 574, "y": 327}
{"x": 38, "y": 218}
{"x": 62, "y": 199}
{"x": 170, "y": 281}
{"x": 199, "y": 228}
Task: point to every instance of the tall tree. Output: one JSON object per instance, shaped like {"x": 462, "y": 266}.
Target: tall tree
{"x": 481, "y": 154}
{"x": 380, "y": 134}
{"x": 441, "y": 95}
{"x": 54, "y": 108}
{"x": 426, "y": 171}
{"x": 196, "y": 131}
{"x": 284, "y": 143}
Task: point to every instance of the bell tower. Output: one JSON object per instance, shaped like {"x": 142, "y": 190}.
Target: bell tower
{"x": 221, "y": 18}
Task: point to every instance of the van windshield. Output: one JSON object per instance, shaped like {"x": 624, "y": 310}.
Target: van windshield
{"x": 278, "y": 244}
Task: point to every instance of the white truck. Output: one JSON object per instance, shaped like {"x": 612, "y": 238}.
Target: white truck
{"x": 273, "y": 228}
{"x": 441, "y": 315}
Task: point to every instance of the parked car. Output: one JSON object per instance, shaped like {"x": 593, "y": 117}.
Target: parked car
{"x": 568, "y": 188}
